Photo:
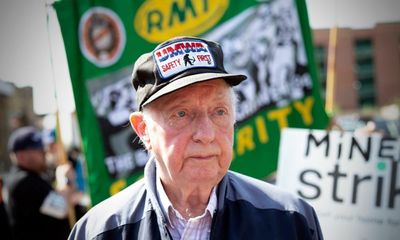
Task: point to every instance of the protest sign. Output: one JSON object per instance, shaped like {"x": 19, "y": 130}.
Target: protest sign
{"x": 352, "y": 181}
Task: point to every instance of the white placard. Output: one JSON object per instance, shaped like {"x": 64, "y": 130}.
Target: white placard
{"x": 54, "y": 205}
{"x": 353, "y": 182}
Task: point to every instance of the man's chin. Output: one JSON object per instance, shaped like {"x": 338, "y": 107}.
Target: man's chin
{"x": 202, "y": 176}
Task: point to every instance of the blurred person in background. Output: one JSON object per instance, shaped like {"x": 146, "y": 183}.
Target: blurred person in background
{"x": 65, "y": 172}
{"x": 69, "y": 175}
{"x": 52, "y": 153}
{"x": 75, "y": 159}
{"x": 36, "y": 210}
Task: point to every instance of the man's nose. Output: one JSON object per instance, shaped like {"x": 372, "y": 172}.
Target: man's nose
{"x": 203, "y": 129}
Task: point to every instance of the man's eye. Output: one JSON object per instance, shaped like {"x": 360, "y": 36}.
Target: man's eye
{"x": 181, "y": 113}
{"x": 221, "y": 112}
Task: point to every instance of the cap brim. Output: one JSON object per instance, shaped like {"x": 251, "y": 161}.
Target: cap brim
{"x": 232, "y": 79}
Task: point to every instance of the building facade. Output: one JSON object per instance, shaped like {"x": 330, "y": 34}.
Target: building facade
{"x": 16, "y": 106}
{"x": 367, "y": 66}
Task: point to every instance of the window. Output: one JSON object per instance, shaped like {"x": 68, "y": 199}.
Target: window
{"x": 365, "y": 72}
{"x": 321, "y": 60}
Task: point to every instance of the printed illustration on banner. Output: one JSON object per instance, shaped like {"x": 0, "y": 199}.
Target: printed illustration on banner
{"x": 264, "y": 43}
{"x": 112, "y": 100}
{"x": 101, "y": 36}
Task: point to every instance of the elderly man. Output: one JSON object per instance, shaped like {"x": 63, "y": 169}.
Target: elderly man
{"x": 186, "y": 121}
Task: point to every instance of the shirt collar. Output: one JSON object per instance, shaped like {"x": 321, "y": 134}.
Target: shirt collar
{"x": 163, "y": 198}
{"x": 166, "y": 203}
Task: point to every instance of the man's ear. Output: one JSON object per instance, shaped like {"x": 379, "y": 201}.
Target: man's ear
{"x": 139, "y": 125}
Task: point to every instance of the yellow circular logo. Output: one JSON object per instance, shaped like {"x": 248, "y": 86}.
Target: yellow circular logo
{"x": 157, "y": 21}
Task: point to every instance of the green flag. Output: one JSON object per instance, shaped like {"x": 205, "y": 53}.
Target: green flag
{"x": 269, "y": 41}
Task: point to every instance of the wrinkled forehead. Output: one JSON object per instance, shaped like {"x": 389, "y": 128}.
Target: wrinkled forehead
{"x": 213, "y": 90}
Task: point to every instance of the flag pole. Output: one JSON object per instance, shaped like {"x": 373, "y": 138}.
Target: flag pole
{"x": 61, "y": 151}
{"x": 331, "y": 71}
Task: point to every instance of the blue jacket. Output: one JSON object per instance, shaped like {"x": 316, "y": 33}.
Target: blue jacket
{"x": 247, "y": 209}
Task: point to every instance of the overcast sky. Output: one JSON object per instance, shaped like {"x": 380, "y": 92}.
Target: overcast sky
{"x": 26, "y": 42}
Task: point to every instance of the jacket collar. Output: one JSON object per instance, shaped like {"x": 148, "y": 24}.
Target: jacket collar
{"x": 150, "y": 183}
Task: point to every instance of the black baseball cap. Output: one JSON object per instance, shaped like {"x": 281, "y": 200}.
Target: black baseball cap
{"x": 177, "y": 63}
{"x": 25, "y": 138}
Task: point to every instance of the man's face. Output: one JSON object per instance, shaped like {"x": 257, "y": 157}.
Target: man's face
{"x": 190, "y": 132}
{"x": 32, "y": 159}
